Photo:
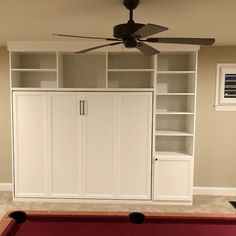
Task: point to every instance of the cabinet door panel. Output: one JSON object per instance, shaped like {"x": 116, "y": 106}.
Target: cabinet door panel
{"x": 135, "y": 124}
{"x": 98, "y": 145}
{"x": 66, "y": 138}
{"x": 30, "y": 143}
{"x": 172, "y": 179}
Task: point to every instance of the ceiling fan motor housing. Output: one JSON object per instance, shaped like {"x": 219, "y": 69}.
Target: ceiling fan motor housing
{"x": 124, "y": 31}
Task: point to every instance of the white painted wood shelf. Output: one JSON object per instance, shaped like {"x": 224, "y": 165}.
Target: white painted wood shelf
{"x": 171, "y": 133}
{"x": 176, "y": 72}
{"x": 85, "y": 89}
{"x": 172, "y": 154}
{"x": 131, "y": 70}
{"x": 175, "y": 94}
{"x": 173, "y": 113}
{"x": 35, "y": 70}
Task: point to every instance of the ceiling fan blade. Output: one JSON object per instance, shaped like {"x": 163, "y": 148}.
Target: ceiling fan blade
{"x": 101, "y": 46}
{"x": 149, "y": 29}
{"x": 195, "y": 41}
{"x": 146, "y": 49}
{"x": 85, "y": 37}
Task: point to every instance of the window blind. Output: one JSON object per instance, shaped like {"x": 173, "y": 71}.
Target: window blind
{"x": 230, "y": 86}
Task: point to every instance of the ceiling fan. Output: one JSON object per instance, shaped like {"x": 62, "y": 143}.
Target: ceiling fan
{"x": 134, "y": 35}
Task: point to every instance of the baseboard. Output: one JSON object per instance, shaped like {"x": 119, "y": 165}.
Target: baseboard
{"x": 214, "y": 191}
{"x": 5, "y": 186}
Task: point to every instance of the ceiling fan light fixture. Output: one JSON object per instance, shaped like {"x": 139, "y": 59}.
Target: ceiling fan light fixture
{"x": 130, "y": 43}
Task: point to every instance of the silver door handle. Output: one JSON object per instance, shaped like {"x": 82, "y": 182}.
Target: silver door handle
{"x": 81, "y": 107}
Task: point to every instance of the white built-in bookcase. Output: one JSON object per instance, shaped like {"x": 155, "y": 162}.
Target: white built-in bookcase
{"x": 175, "y": 90}
{"x": 171, "y": 76}
{"x": 175, "y": 103}
{"x": 69, "y": 70}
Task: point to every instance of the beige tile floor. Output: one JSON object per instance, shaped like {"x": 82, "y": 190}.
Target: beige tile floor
{"x": 206, "y": 204}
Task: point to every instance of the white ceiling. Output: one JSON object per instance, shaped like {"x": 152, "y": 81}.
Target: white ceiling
{"x": 36, "y": 20}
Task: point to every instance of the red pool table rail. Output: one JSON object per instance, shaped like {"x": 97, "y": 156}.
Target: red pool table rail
{"x": 167, "y": 222}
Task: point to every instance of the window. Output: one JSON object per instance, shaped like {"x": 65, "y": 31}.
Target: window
{"x": 226, "y": 87}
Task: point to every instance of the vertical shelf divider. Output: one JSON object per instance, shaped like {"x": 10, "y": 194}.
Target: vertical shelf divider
{"x": 10, "y": 66}
{"x": 107, "y": 84}
{"x": 195, "y": 100}
{"x": 59, "y": 70}
{"x": 155, "y": 58}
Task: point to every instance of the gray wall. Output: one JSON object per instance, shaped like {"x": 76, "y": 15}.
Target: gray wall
{"x": 5, "y": 130}
{"x": 215, "y": 150}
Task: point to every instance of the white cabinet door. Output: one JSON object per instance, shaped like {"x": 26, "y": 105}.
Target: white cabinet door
{"x": 134, "y": 131}
{"x": 30, "y": 119}
{"x": 98, "y": 142}
{"x": 66, "y": 144}
{"x": 173, "y": 179}
{"x": 117, "y": 145}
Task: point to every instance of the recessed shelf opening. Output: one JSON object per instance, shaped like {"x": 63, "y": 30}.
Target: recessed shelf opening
{"x": 177, "y": 61}
{"x": 175, "y": 103}
{"x": 174, "y": 144}
{"x": 175, "y": 83}
{"x": 130, "y": 79}
{"x": 131, "y": 60}
{"x": 82, "y": 71}
{"x": 176, "y": 123}
{"x": 34, "y": 79}
{"x": 32, "y": 60}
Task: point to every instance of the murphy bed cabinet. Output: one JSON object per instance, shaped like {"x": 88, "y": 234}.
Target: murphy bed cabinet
{"x": 107, "y": 125}
{"x": 84, "y": 144}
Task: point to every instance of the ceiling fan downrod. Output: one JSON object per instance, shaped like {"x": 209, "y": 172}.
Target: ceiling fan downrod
{"x": 131, "y": 5}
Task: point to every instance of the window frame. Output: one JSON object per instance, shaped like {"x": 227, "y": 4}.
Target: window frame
{"x": 222, "y": 103}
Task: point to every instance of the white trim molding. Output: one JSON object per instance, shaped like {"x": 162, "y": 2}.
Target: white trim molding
{"x": 6, "y": 186}
{"x": 225, "y": 108}
{"x": 69, "y": 46}
{"x": 214, "y": 191}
